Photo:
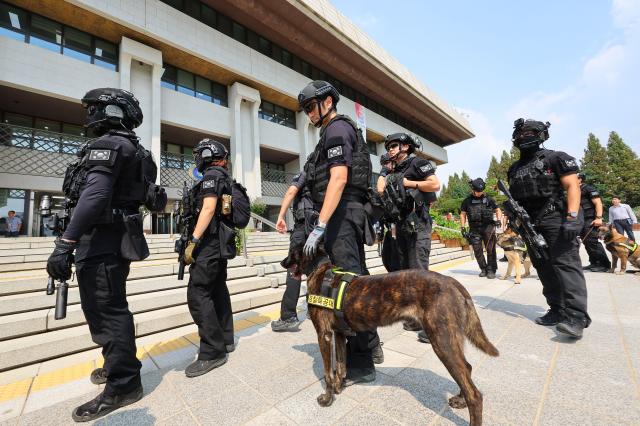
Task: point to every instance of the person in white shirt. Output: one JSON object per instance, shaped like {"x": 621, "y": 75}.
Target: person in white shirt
{"x": 622, "y": 217}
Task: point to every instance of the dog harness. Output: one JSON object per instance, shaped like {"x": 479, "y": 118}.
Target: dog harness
{"x": 333, "y": 298}
{"x": 627, "y": 244}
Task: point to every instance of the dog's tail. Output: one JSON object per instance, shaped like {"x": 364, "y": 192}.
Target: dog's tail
{"x": 474, "y": 331}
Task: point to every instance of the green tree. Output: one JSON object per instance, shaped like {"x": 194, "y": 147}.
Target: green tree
{"x": 494, "y": 169}
{"x": 595, "y": 165}
{"x": 624, "y": 178}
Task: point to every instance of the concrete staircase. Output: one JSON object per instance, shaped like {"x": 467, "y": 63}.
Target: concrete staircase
{"x": 29, "y": 333}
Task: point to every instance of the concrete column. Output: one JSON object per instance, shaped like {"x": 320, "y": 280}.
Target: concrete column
{"x": 244, "y": 102}
{"x": 140, "y": 68}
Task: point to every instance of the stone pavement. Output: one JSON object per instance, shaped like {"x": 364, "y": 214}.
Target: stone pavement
{"x": 540, "y": 378}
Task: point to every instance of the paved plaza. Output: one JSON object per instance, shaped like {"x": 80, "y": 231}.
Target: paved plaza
{"x": 540, "y": 378}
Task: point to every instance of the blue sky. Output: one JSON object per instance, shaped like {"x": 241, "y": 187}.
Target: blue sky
{"x": 573, "y": 63}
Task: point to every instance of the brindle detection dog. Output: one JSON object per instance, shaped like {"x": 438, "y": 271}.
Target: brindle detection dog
{"x": 440, "y": 303}
{"x": 620, "y": 247}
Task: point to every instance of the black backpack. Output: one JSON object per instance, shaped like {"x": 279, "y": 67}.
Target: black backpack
{"x": 240, "y": 205}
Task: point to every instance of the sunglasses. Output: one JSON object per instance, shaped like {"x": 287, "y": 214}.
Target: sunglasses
{"x": 308, "y": 108}
{"x": 393, "y": 145}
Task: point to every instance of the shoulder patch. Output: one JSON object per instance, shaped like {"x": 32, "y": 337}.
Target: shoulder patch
{"x": 426, "y": 167}
{"x": 334, "y": 152}
{"x": 570, "y": 163}
{"x": 102, "y": 157}
{"x": 209, "y": 183}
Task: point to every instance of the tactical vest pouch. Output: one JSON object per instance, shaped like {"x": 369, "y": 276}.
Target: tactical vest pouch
{"x": 133, "y": 245}
{"x": 156, "y": 198}
{"x": 227, "y": 238}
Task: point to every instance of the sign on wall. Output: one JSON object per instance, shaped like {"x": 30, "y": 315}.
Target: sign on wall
{"x": 361, "y": 119}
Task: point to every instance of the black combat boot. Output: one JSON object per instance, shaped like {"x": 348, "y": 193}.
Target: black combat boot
{"x": 552, "y": 317}
{"x": 572, "y": 325}
{"x": 491, "y": 275}
{"x": 102, "y": 405}
{"x": 483, "y": 273}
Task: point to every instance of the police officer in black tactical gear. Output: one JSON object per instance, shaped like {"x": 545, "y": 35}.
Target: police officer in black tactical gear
{"x": 420, "y": 185}
{"x": 592, "y": 207}
{"x": 387, "y": 167}
{"x": 106, "y": 187}
{"x": 305, "y": 217}
{"x": 538, "y": 181}
{"x": 413, "y": 230}
{"x": 207, "y": 293}
{"x": 478, "y": 210}
{"x": 338, "y": 177}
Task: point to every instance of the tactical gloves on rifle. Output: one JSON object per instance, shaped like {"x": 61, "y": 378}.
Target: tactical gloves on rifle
{"x": 60, "y": 262}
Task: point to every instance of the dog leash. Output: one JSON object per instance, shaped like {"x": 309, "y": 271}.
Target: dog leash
{"x": 587, "y": 234}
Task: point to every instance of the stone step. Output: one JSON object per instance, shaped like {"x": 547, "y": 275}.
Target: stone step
{"x": 35, "y": 280}
{"x": 39, "y": 300}
{"x": 42, "y": 320}
{"x": 31, "y": 349}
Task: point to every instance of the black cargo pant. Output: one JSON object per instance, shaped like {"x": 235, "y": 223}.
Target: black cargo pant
{"x": 597, "y": 255}
{"x": 414, "y": 243}
{"x": 292, "y": 291}
{"x": 484, "y": 236}
{"x": 209, "y": 301}
{"x": 563, "y": 283}
{"x": 103, "y": 297}
{"x": 344, "y": 243}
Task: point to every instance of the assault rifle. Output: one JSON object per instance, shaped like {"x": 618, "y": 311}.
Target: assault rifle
{"x": 521, "y": 222}
{"x": 57, "y": 224}
{"x": 184, "y": 215}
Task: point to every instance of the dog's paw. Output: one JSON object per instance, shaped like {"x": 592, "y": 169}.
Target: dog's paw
{"x": 526, "y": 275}
{"x": 325, "y": 400}
{"x": 457, "y": 402}
{"x": 517, "y": 282}
{"x": 504, "y": 278}
{"x": 620, "y": 273}
{"x": 612, "y": 271}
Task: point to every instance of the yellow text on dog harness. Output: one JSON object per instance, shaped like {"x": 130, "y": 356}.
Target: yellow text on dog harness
{"x": 330, "y": 302}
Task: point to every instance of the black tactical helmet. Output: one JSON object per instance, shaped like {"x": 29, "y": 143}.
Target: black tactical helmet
{"x": 317, "y": 91}
{"x": 110, "y": 108}
{"x": 529, "y": 134}
{"x": 385, "y": 158}
{"x": 477, "y": 185}
{"x": 208, "y": 150}
{"x": 403, "y": 139}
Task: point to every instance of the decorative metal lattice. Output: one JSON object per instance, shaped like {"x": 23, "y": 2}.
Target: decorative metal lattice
{"x": 17, "y": 193}
{"x": 37, "y": 152}
{"x": 275, "y": 182}
{"x": 175, "y": 169}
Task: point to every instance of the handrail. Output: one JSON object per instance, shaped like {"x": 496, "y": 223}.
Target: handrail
{"x": 263, "y": 220}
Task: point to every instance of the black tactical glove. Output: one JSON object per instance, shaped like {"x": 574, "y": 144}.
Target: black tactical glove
{"x": 571, "y": 228}
{"x": 60, "y": 261}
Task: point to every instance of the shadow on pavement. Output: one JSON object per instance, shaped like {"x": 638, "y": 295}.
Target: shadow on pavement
{"x": 428, "y": 388}
{"x": 510, "y": 308}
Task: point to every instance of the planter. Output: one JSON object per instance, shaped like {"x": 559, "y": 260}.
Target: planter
{"x": 636, "y": 226}
{"x": 451, "y": 243}
{"x": 465, "y": 247}
{"x": 434, "y": 236}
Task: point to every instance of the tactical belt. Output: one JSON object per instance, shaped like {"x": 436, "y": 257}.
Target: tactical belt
{"x": 336, "y": 299}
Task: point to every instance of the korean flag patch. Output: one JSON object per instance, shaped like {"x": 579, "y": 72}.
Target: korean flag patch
{"x": 103, "y": 157}
{"x": 334, "y": 152}
{"x": 209, "y": 184}
{"x": 426, "y": 168}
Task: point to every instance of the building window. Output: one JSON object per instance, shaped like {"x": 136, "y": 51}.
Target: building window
{"x": 372, "y": 147}
{"x": 277, "y": 114}
{"x": 193, "y": 85}
{"x": 51, "y": 35}
{"x": 176, "y": 156}
{"x": 226, "y": 25}
{"x": 41, "y": 134}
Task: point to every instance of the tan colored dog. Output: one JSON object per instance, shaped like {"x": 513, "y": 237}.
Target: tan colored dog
{"x": 516, "y": 252}
{"x": 621, "y": 248}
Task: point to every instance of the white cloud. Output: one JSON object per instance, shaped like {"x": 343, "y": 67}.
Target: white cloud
{"x": 603, "y": 96}
{"x": 474, "y": 155}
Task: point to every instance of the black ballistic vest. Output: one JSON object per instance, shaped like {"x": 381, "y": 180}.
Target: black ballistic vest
{"x": 588, "y": 209}
{"x": 359, "y": 178}
{"x": 479, "y": 212}
{"x": 535, "y": 184}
